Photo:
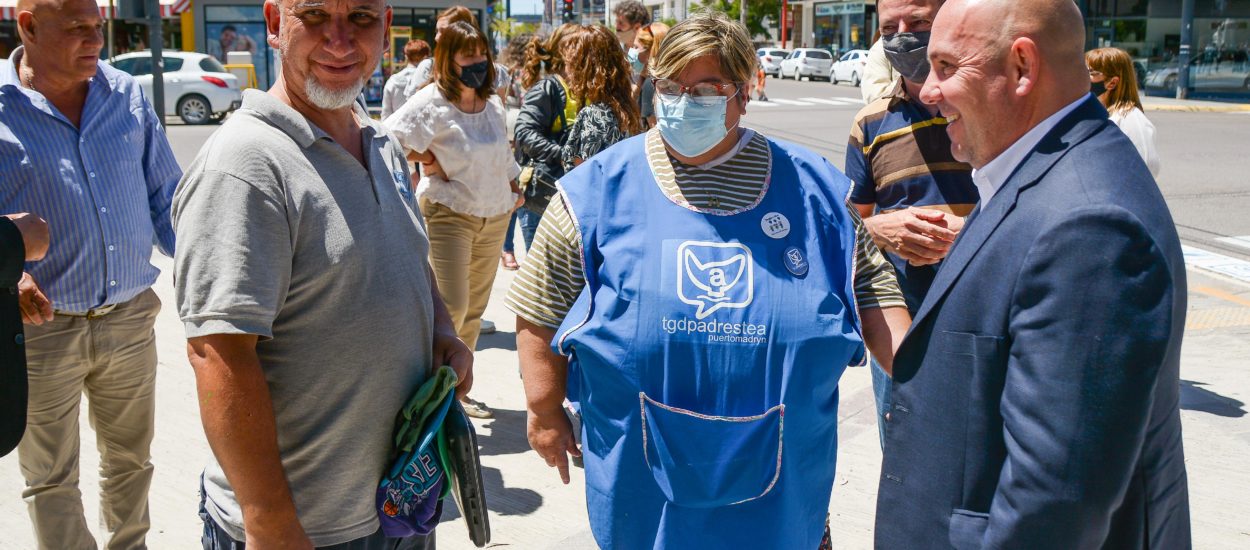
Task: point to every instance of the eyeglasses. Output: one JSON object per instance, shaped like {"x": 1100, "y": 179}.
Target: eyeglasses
{"x": 703, "y": 93}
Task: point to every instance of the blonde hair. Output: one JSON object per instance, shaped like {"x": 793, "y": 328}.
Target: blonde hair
{"x": 1113, "y": 62}
{"x": 709, "y": 33}
{"x": 650, "y": 37}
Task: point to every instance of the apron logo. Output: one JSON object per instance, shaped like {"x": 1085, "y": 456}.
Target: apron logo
{"x": 713, "y": 276}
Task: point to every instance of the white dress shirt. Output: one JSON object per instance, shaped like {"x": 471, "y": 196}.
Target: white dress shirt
{"x": 993, "y": 175}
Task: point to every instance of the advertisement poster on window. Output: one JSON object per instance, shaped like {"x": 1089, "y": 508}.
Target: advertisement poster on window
{"x": 223, "y": 38}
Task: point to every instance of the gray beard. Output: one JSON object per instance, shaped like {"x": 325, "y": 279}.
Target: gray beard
{"x": 329, "y": 99}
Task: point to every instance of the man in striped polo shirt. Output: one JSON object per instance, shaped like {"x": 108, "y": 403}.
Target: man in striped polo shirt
{"x": 82, "y": 148}
{"x": 909, "y": 188}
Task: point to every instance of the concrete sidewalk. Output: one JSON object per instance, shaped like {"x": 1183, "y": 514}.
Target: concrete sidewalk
{"x": 531, "y": 509}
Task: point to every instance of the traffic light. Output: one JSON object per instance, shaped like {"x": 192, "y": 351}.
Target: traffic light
{"x": 566, "y": 12}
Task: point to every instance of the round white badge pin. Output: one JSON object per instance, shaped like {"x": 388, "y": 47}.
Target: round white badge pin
{"x": 775, "y": 225}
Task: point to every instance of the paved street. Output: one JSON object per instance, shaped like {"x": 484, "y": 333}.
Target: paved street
{"x": 1204, "y": 180}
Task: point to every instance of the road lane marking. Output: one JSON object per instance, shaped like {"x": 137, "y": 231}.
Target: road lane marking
{"x": 762, "y": 103}
{"x": 850, "y": 100}
{"x": 1242, "y": 241}
{"x": 790, "y": 102}
{"x": 1217, "y": 263}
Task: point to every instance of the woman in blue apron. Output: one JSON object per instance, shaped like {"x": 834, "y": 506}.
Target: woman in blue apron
{"x": 707, "y": 311}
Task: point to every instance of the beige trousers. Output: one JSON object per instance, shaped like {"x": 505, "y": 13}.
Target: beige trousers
{"x": 464, "y": 253}
{"x": 112, "y": 359}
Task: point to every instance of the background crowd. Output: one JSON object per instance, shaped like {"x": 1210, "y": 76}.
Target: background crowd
{"x": 281, "y": 240}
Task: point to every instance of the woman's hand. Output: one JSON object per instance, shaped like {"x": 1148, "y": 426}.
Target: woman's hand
{"x": 551, "y": 435}
{"x": 431, "y": 167}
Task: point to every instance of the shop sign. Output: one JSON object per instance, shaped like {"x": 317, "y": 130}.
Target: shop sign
{"x": 841, "y": 8}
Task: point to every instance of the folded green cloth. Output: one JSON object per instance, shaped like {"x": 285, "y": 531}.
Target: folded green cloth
{"x": 410, "y": 422}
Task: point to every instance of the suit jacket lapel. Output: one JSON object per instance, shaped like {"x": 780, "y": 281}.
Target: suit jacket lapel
{"x": 1078, "y": 126}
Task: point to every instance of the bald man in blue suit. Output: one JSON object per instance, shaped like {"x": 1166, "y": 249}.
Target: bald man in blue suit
{"x": 1036, "y": 395}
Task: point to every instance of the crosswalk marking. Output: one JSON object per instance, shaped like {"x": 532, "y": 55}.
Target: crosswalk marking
{"x": 1218, "y": 263}
{"x": 822, "y": 100}
{"x": 764, "y": 104}
{"x": 810, "y": 101}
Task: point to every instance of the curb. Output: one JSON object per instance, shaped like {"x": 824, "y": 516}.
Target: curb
{"x": 1204, "y": 108}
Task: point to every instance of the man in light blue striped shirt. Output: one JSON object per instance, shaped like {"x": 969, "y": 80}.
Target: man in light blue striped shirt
{"x": 82, "y": 148}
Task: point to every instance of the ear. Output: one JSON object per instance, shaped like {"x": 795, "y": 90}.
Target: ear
{"x": 1024, "y": 65}
{"x": 1112, "y": 83}
{"x": 386, "y": 36}
{"x": 273, "y": 22}
{"x": 26, "y": 26}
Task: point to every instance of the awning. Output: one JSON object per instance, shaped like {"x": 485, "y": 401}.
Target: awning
{"x": 169, "y": 8}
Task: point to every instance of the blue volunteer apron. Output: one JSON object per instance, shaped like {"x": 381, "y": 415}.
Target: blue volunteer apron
{"x": 705, "y": 352}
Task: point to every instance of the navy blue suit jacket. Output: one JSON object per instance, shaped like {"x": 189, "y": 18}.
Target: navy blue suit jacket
{"x": 1036, "y": 395}
{"x": 12, "y": 343}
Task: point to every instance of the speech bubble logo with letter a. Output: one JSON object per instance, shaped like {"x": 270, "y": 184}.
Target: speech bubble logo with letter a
{"x": 714, "y": 276}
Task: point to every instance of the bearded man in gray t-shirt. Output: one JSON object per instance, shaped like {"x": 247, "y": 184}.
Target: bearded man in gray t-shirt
{"x": 302, "y": 279}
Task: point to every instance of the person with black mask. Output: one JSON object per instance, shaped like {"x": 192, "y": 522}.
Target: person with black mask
{"x": 457, "y": 129}
{"x": 910, "y": 190}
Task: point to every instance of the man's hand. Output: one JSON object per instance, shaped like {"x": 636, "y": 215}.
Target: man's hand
{"x": 36, "y": 308}
{"x": 551, "y": 435}
{"x": 34, "y": 234}
{"x": 918, "y": 235}
{"x": 288, "y": 535}
{"x": 450, "y": 350}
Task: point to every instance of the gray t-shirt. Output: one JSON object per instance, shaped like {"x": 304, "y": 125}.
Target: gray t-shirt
{"x": 284, "y": 235}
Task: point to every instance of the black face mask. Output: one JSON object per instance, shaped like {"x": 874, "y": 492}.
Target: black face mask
{"x": 908, "y": 52}
{"x": 474, "y": 75}
{"x": 1098, "y": 88}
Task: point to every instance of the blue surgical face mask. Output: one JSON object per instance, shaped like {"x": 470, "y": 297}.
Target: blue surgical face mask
{"x": 634, "y": 62}
{"x": 691, "y": 126}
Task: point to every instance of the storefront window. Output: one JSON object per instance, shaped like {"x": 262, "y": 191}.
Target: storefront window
{"x": 839, "y": 26}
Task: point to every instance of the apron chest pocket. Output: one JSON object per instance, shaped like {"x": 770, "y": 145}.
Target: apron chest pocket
{"x": 705, "y": 461}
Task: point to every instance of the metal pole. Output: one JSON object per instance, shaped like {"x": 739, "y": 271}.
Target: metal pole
{"x": 153, "y": 8}
{"x": 1187, "y": 41}
{"x": 785, "y": 8}
{"x": 112, "y": 14}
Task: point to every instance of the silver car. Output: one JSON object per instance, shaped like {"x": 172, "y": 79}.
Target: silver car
{"x": 770, "y": 59}
{"x": 197, "y": 87}
{"x": 809, "y": 62}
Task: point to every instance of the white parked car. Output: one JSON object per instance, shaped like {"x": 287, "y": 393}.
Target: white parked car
{"x": 850, "y": 67}
{"x": 770, "y": 59}
{"x": 197, "y": 87}
{"x": 809, "y": 62}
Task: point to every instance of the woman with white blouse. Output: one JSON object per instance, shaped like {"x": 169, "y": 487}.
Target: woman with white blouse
{"x": 457, "y": 130}
{"x": 1114, "y": 81}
